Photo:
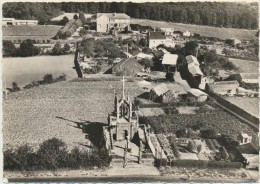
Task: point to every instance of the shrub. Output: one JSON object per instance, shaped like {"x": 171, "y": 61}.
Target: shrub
{"x": 52, "y": 154}
{"x": 15, "y": 87}
{"x": 48, "y": 79}
{"x": 8, "y": 49}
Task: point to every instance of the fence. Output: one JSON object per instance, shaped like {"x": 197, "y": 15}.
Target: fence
{"x": 198, "y": 163}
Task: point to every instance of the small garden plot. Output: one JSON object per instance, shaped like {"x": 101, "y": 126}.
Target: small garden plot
{"x": 151, "y": 111}
{"x": 187, "y": 110}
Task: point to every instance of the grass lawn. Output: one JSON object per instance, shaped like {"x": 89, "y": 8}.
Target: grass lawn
{"x": 245, "y": 66}
{"x": 34, "y": 115}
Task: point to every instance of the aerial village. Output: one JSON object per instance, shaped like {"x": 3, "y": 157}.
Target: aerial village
{"x": 184, "y": 85}
{"x": 173, "y": 86}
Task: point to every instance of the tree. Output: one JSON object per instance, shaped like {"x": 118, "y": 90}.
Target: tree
{"x": 190, "y": 47}
{"x": 9, "y": 49}
{"x": 66, "y": 47}
{"x": 82, "y": 17}
{"x": 208, "y": 134}
{"x": 28, "y": 49}
{"x": 57, "y": 50}
{"x": 15, "y": 87}
{"x": 75, "y": 17}
{"x": 48, "y": 79}
{"x": 223, "y": 153}
{"x": 52, "y": 154}
{"x": 64, "y": 21}
{"x": 192, "y": 146}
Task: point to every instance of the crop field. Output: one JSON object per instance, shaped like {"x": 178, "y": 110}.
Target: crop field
{"x": 222, "y": 33}
{"x": 34, "y": 115}
{"x": 245, "y": 65}
{"x": 220, "y": 121}
{"x": 29, "y": 32}
{"x": 250, "y": 105}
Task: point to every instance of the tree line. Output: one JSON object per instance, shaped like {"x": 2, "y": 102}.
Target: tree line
{"x": 220, "y": 14}
{"x": 53, "y": 154}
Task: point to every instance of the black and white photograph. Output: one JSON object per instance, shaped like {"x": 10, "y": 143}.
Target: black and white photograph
{"x": 130, "y": 91}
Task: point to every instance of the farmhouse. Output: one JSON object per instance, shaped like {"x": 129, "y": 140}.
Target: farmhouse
{"x": 107, "y": 21}
{"x": 186, "y": 34}
{"x": 156, "y": 38}
{"x": 129, "y": 67}
{"x": 168, "y": 31}
{"x": 233, "y": 41}
{"x": 196, "y": 95}
{"x": 224, "y": 87}
{"x": 244, "y": 138}
{"x": 193, "y": 67}
{"x": 170, "y": 61}
{"x": 166, "y": 92}
{"x": 14, "y": 22}
{"x": 249, "y": 78}
{"x": 157, "y": 93}
{"x": 158, "y": 54}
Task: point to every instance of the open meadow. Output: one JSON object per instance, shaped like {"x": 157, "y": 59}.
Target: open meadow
{"x": 34, "y": 115}
{"x": 222, "y": 33}
{"x": 245, "y": 66}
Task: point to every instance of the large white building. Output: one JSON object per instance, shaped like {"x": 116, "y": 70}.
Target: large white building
{"x": 14, "y": 22}
{"x": 106, "y": 21}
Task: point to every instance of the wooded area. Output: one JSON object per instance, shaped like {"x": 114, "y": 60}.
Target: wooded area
{"x": 220, "y": 14}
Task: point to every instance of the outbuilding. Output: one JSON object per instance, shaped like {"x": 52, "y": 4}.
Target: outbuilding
{"x": 196, "y": 95}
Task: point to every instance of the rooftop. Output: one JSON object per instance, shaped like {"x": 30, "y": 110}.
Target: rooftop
{"x": 195, "y": 70}
{"x": 114, "y": 15}
{"x": 170, "y": 59}
{"x": 248, "y": 148}
{"x": 226, "y": 83}
{"x": 196, "y": 92}
{"x": 249, "y": 75}
{"x": 192, "y": 59}
{"x": 160, "y": 89}
{"x": 156, "y": 35}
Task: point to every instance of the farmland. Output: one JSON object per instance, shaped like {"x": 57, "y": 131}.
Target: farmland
{"x": 222, "y": 33}
{"x": 34, "y": 115}
{"x": 245, "y": 65}
{"x": 250, "y": 105}
{"x": 25, "y": 70}
{"x": 29, "y": 32}
{"x": 220, "y": 121}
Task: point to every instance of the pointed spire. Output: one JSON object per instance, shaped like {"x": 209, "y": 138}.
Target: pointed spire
{"x": 123, "y": 87}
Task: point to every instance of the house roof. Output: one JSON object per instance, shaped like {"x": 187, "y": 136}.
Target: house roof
{"x": 192, "y": 59}
{"x": 160, "y": 89}
{"x": 244, "y": 135}
{"x": 176, "y": 88}
{"x": 114, "y": 15}
{"x": 135, "y": 52}
{"x": 194, "y": 69}
{"x": 143, "y": 55}
{"x": 226, "y": 83}
{"x": 156, "y": 35}
{"x": 197, "y": 92}
{"x": 158, "y": 53}
{"x": 129, "y": 64}
{"x": 170, "y": 59}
